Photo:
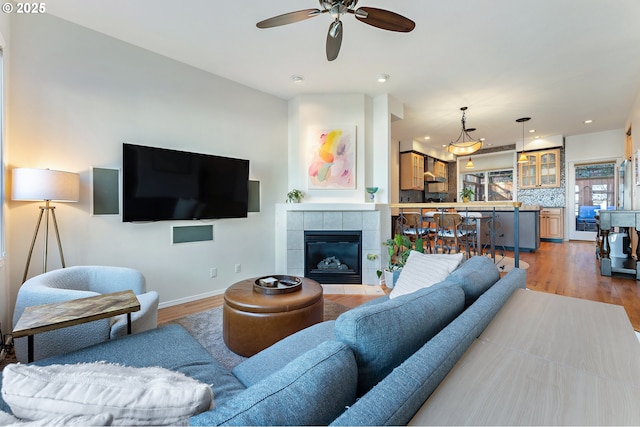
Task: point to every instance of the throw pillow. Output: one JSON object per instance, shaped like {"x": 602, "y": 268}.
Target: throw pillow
{"x": 424, "y": 270}
{"x": 133, "y": 396}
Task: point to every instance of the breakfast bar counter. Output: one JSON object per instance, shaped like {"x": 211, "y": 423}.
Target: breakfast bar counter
{"x": 509, "y": 226}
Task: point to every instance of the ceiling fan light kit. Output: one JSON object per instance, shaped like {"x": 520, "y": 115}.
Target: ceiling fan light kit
{"x": 379, "y": 18}
{"x": 465, "y": 144}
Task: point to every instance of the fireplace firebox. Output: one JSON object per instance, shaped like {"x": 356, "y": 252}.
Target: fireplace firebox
{"x": 333, "y": 256}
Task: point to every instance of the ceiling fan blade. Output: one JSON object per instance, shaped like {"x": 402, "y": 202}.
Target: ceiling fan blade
{"x": 385, "y": 19}
{"x": 334, "y": 40}
{"x": 288, "y": 18}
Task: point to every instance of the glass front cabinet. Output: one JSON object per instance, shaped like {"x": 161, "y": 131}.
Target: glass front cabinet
{"x": 541, "y": 171}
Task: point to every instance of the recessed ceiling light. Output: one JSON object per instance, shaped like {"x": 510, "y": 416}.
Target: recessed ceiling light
{"x": 588, "y": 121}
{"x": 427, "y": 137}
{"x": 382, "y": 78}
{"x": 532, "y": 131}
{"x": 297, "y": 79}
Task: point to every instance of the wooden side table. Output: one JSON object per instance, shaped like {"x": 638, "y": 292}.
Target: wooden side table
{"x": 252, "y": 321}
{"x": 48, "y": 317}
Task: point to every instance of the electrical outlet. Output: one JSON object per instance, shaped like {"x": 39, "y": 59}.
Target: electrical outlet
{"x": 238, "y": 268}
{"x": 213, "y": 272}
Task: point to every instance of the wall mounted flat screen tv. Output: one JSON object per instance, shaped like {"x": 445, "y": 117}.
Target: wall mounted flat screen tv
{"x": 161, "y": 184}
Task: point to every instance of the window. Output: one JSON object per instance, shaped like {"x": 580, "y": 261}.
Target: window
{"x": 490, "y": 186}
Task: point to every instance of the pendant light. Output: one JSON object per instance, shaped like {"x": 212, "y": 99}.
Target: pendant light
{"x": 470, "y": 164}
{"x": 523, "y": 156}
{"x": 465, "y": 144}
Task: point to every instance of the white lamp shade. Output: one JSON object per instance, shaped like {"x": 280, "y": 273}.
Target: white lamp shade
{"x": 45, "y": 184}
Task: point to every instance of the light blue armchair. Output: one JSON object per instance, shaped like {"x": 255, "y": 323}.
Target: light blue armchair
{"x": 81, "y": 282}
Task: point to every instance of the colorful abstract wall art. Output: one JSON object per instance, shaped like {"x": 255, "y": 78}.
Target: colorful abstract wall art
{"x": 332, "y": 160}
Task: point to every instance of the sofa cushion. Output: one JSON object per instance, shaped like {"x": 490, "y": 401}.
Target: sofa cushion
{"x": 475, "y": 276}
{"x": 383, "y": 335}
{"x": 312, "y": 390}
{"x": 278, "y": 355}
{"x": 424, "y": 270}
{"x": 133, "y": 396}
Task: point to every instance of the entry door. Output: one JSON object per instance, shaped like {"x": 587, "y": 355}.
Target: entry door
{"x": 591, "y": 187}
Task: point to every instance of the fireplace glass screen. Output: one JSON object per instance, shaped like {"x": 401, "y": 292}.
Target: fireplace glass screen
{"x": 333, "y": 257}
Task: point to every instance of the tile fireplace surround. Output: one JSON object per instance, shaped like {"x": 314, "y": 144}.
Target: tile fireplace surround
{"x": 294, "y": 219}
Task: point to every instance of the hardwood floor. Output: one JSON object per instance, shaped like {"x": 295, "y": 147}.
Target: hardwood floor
{"x": 177, "y": 311}
{"x": 568, "y": 268}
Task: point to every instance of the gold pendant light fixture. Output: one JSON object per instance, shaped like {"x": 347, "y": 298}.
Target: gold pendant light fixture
{"x": 465, "y": 144}
{"x": 523, "y": 156}
{"x": 470, "y": 164}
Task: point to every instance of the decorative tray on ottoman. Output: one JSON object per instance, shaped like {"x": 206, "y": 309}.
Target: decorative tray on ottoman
{"x": 277, "y": 284}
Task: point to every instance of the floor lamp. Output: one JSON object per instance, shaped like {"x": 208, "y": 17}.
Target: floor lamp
{"x": 46, "y": 185}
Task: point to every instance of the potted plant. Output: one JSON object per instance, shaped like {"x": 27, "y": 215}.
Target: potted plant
{"x": 398, "y": 249}
{"x": 466, "y": 193}
{"x": 294, "y": 196}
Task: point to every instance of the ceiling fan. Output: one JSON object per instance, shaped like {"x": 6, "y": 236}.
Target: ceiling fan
{"x": 379, "y": 18}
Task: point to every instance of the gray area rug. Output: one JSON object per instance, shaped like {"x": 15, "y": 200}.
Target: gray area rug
{"x": 206, "y": 327}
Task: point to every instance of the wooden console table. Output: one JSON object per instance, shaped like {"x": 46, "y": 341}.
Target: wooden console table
{"x": 606, "y": 220}
{"x": 544, "y": 360}
{"x": 48, "y": 317}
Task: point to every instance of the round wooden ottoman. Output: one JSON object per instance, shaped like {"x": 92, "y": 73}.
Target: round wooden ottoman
{"x": 252, "y": 321}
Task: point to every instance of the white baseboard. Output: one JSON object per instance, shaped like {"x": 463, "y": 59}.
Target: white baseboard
{"x": 192, "y": 298}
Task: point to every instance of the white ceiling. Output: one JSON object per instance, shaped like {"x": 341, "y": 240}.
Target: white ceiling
{"x": 557, "y": 61}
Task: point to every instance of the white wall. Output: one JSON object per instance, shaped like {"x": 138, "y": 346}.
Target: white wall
{"x": 310, "y": 113}
{"x": 5, "y": 294}
{"x": 371, "y": 118}
{"x": 593, "y": 146}
{"x": 633, "y": 121}
{"x": 77, "y": 95}
{"x": 383, "y": 157}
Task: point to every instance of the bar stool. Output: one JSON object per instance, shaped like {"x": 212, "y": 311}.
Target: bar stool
{"x": 412, "y": 226}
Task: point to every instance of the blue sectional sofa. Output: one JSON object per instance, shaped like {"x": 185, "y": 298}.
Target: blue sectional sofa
{"x": 375, "y": 365}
